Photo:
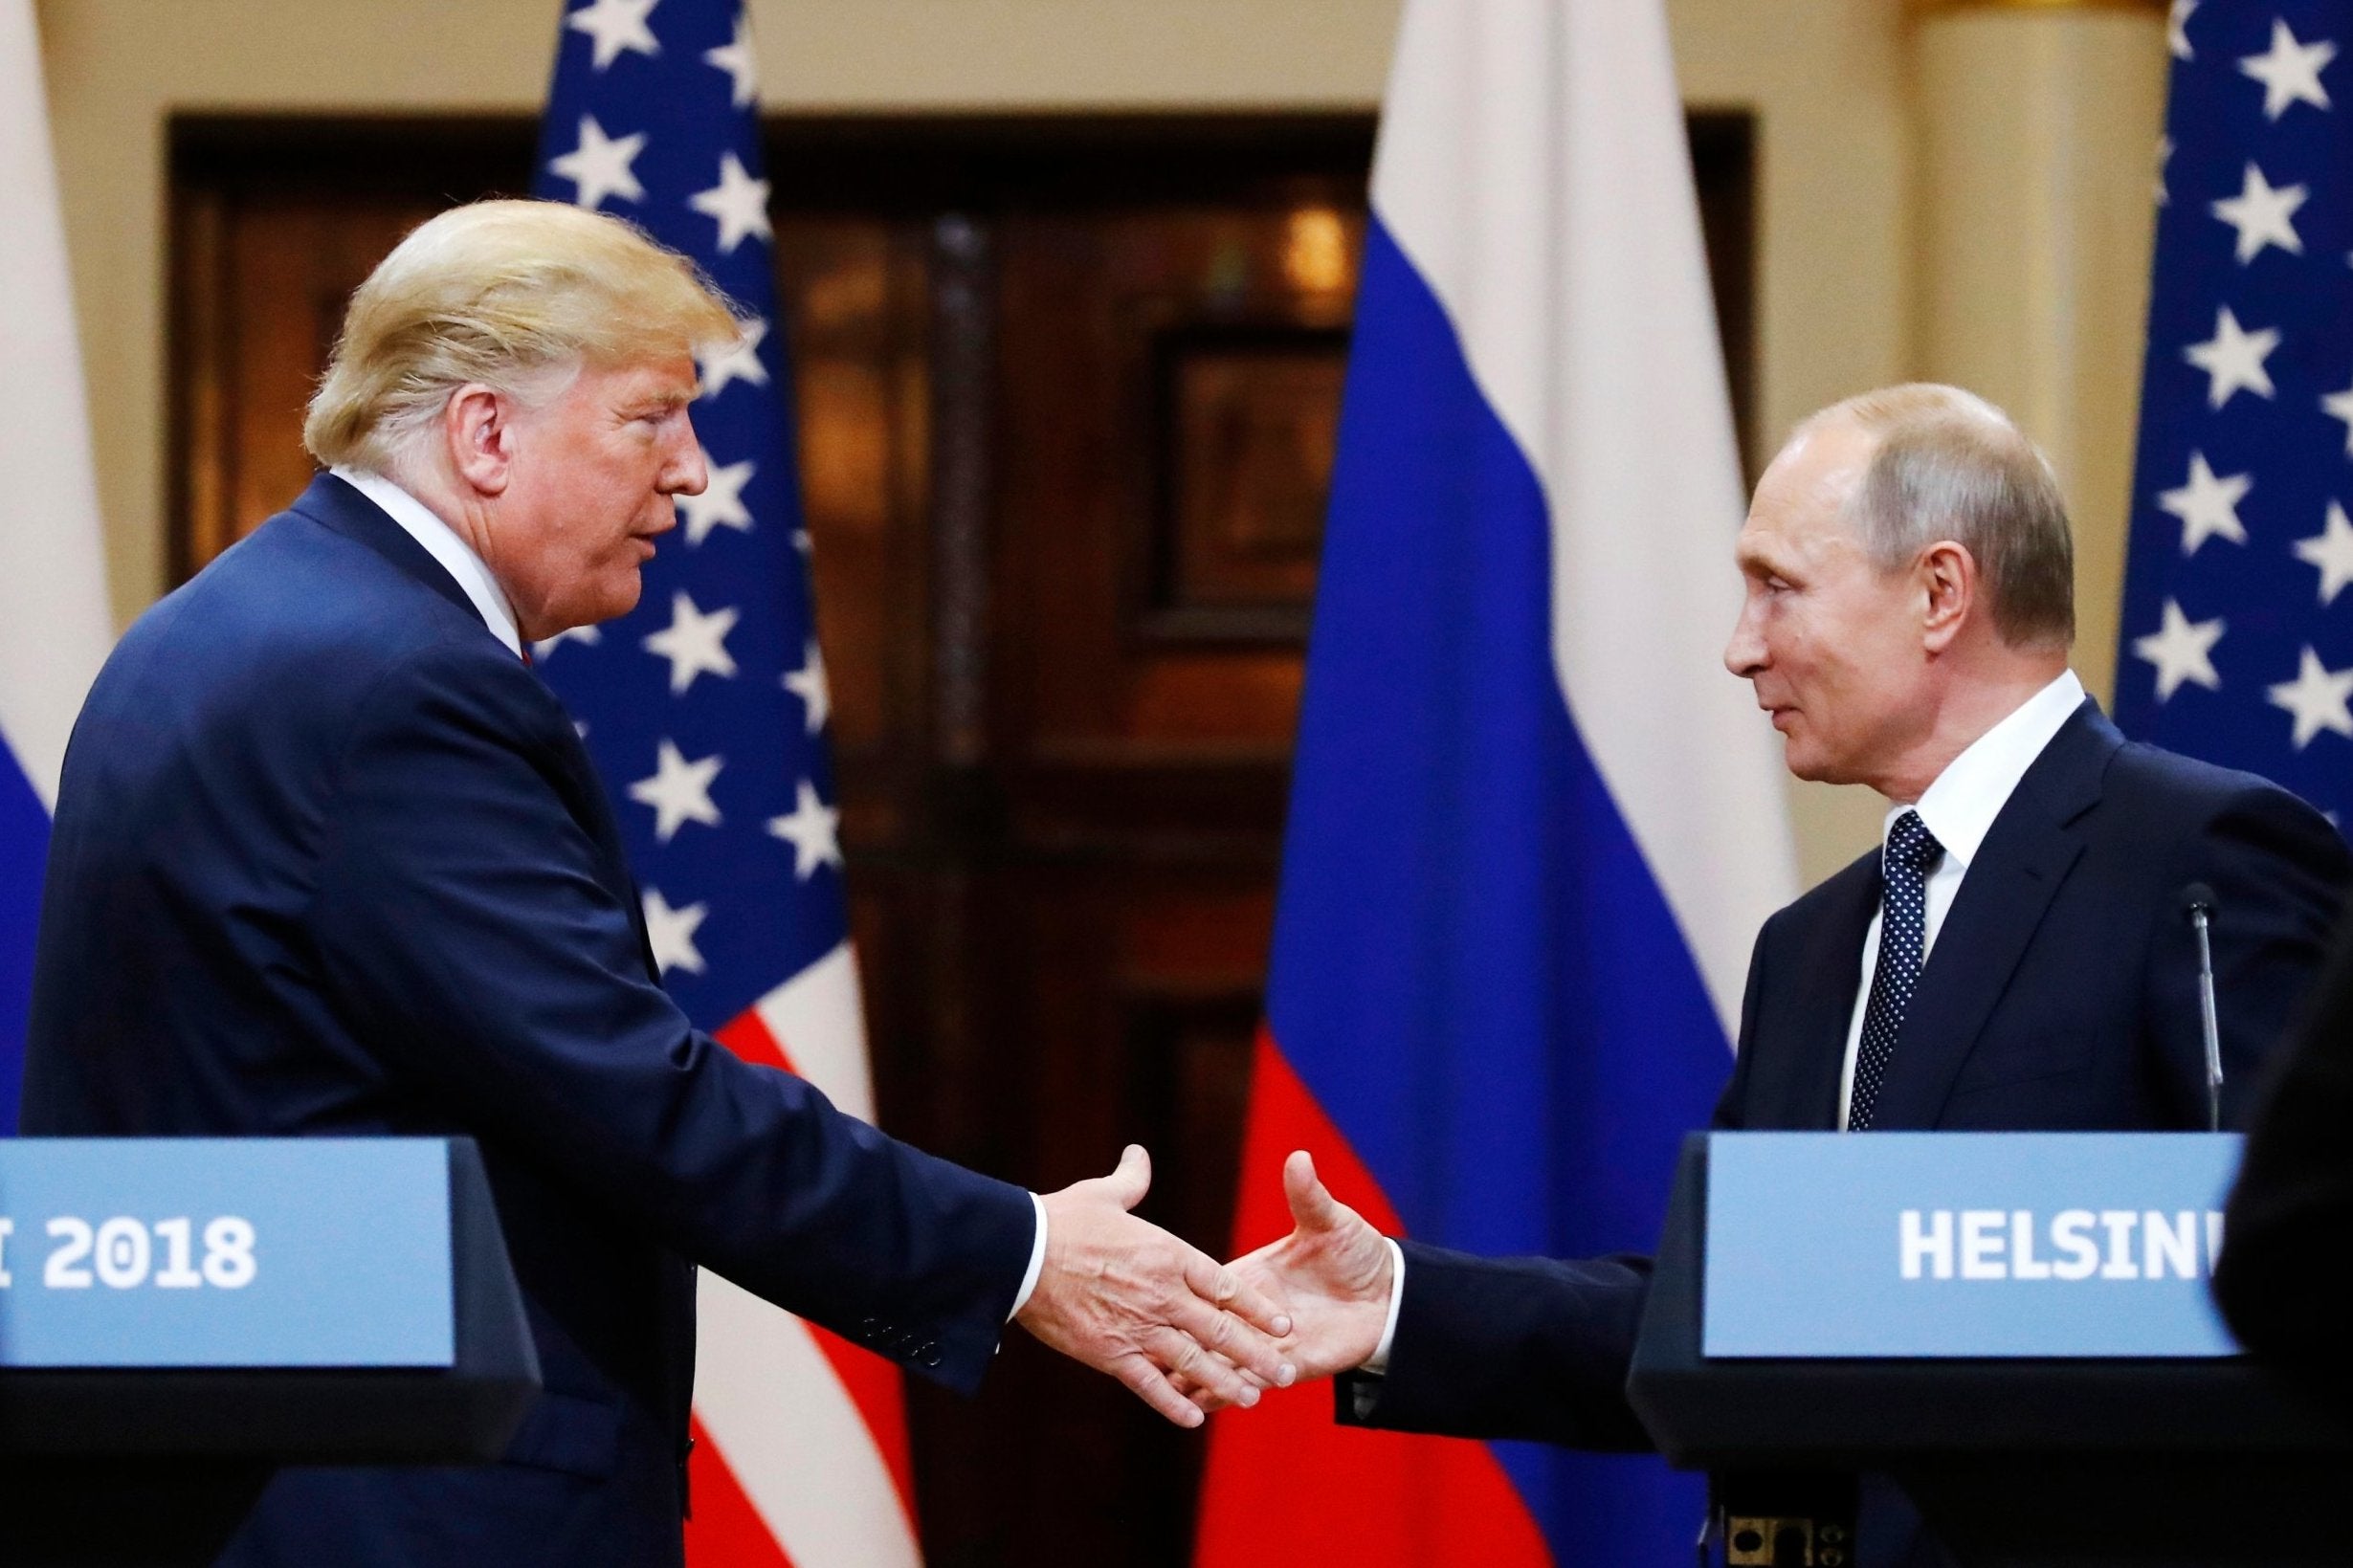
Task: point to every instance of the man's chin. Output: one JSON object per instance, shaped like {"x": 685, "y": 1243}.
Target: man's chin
{"x": 1807, "y": 763}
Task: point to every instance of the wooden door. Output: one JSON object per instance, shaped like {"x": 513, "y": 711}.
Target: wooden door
{"x": 1067, "y": 396}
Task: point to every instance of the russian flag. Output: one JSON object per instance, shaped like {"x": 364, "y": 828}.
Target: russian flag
{"x": 54, "y": 630}
{"x": 1534, "y": 824}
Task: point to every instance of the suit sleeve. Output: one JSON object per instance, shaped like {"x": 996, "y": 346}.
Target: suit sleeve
{"x": 1534, "y": 1348}
{"x": 2286, "y": 1271}
{"x": 461, "y": 922}
{"x": 2279, "y": 874}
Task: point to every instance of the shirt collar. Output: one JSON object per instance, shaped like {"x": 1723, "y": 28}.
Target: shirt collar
{"x": 1960, "y": 808}
{"x": 441, "y": 541}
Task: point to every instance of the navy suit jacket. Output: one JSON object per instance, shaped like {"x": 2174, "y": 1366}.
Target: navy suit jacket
{"x": 329, "y": 860}
{"x": 2060, "y": 996}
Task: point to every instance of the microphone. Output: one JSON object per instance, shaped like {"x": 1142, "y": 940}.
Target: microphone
{"x": 2198, "y": 908}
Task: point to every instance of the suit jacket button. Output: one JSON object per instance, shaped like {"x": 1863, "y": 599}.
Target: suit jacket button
{"x": 931, "y": 1356}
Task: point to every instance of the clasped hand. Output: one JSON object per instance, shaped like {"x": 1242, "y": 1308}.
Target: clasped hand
{"x": 1125, "y": 1296}
{"x": 1332, "y": 1273}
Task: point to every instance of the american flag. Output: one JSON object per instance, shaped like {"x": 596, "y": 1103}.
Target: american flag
{"x": 705, "y": 710}
{"x": 2237, "y": 627}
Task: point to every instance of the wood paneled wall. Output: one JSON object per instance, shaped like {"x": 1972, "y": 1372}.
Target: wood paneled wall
{"x": 1068, "y": 392}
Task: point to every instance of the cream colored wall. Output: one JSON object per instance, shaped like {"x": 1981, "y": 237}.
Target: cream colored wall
{"x": 1830, "y": 80}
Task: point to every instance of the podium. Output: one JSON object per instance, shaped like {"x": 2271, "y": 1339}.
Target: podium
{"x": 2127, "y": 1440}
{"x": 180, "y": 1318}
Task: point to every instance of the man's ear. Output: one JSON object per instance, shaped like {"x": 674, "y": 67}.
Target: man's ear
{"x": 478, "y": 424}
{"x": 1947, "y": 579}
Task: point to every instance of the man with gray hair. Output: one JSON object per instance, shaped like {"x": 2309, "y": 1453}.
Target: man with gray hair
{"x": 2012, "y": 958}
{"x": 329, "y": 860}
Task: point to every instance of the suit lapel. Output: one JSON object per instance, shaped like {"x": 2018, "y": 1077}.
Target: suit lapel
{"x": 2028, "y": 853}
{"x": 1830, "y": 973}
{"x": 597, "y": 808}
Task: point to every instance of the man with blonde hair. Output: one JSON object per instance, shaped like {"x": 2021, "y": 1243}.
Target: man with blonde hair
{"x": 2012, "y": 958}
{"x": 329, "y": 859}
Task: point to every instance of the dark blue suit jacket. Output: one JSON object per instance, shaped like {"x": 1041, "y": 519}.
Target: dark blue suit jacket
{"x": 330, "y": 860}
{"x": 2060, "y": 996}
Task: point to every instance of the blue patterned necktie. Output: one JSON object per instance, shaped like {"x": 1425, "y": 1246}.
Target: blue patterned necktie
{"x": 1911, "y": 852}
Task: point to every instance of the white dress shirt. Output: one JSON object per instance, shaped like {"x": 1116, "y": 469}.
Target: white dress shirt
{"x": 1959, "y": 808}
{"x": 456, "y": 557}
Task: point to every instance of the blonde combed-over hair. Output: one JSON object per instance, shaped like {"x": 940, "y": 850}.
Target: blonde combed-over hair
{"x": 515, "y": 294}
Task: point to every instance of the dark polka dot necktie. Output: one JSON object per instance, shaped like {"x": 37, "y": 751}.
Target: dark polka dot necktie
{"x": 1911, "y": 852}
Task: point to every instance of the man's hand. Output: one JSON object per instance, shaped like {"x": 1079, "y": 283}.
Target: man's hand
{"x": 1331, "y": 1271}
{"x": 1126, "y": 1297}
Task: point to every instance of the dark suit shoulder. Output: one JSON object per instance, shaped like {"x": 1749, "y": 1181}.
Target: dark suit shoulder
{"x": 1833, "y": 895}
{"x": 292, "y": 632}
{"x": 2182, "y": 793}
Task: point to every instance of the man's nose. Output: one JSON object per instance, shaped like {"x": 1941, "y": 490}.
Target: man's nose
{"x": 688, "y": 474}
{"x": 1744, "y": 653}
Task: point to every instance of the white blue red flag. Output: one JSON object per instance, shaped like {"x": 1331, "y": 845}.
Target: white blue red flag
{"x": 54, "y": 630}
{"x": 2237, "y": 627}
{"x": 705, "y": 710}
{"x": 1534, "y": 824}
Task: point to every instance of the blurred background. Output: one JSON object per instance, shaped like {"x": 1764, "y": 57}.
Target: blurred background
{"x": 1069, "y": 286}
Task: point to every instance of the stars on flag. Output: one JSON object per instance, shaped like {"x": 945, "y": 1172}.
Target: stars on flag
{"x": 812, "y": 829}
{"x": 706, "y": 709}
{"x": 721, "y": 505}
{"x": 2316, "y": 698}
{"x": 741, "y": 363}
{"x": 695, "y": 643}
{"x": 616, "y": 26}
{"x": 2232, "y": 358}
{"x": 2290, "y": 71}
{"x": 602, "y": 166}
{"x": 736, "y": 58}
{"x": 2208, "y": 506}
{"x": 679, "y": 791}
{"x": 670, "y": 933}
{"x": 808, "y": 683}
{"x": 739, "y": 203}
{"x": 2340, "y": 406}
{"x": 2240, "y": 652}
{"x": 2263, "y": 215}
{"x": 2182, "y": 649}
{"x": 2331, "y": 550}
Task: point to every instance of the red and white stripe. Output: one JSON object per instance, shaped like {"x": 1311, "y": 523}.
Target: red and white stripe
{"x": 801, "y": 1450}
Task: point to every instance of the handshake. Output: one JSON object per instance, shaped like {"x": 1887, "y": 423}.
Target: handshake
{"x": 1188, "y": 1335}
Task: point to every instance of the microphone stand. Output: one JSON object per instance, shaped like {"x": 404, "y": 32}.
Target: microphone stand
{"x": 2198, "y": 900}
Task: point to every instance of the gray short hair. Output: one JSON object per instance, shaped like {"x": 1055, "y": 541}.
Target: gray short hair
{"x": 1948, "y": 465}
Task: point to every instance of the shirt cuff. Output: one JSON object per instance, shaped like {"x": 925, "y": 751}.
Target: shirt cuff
{"x": 1037, "y": 1266}
{"x": 1377, "y": 1363}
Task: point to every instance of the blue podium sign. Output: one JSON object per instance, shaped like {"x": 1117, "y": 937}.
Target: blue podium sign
{"x": 1935, "y": 1245}
{"x": 225, "y": 1252}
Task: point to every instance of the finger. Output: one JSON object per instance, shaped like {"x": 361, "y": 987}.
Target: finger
{"x": 1223, "y": 1287}
{"x": 1145, "y": 1380}
{"x": 1189, "y": 1366}
{"x": 1131, "y": 1179}
{"x": 1312, "y": 1207}
{"x": 1236, "y": 1342}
